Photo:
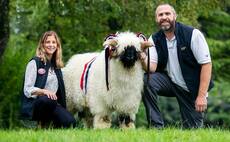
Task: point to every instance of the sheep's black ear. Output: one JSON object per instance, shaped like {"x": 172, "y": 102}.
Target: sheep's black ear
{"x": 141, "y": 36}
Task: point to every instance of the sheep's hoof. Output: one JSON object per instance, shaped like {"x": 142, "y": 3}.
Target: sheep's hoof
{"x": 102, "y": 123}
{"x": 125, "y": 122}
{"x": 130, "y": 125}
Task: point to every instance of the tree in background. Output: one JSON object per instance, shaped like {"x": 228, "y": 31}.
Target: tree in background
{"x": 4, "y": 25}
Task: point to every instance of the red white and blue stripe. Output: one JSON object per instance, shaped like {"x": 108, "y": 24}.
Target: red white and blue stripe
{"x": 84, "y": 75}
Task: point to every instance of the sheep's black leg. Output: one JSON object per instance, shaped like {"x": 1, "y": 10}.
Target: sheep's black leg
{"x": 125, "y": 120}
{"x": 86, "y": 117}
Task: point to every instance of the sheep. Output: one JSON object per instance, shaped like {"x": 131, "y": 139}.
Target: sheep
{"x": 113, "y": 82}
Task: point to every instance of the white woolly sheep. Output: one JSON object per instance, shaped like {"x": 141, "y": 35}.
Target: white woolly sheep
{"x": 114, "y": 80}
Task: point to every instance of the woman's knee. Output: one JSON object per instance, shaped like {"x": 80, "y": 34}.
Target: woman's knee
{"x": 44, "y": 100}
{"x": 44, "y": 105}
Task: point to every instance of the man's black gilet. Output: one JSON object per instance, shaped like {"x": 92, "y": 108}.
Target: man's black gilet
{"x": 27, "y": 103}
{"x": 189, "y": 65}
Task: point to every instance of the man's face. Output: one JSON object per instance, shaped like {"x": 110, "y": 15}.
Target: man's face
{"x": 165, "y": 18}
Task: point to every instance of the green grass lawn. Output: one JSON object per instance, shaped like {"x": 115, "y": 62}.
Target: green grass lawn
{"x": 115, "y": 135}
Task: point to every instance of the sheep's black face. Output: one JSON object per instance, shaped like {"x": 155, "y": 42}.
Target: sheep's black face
{"x": 129, "y": 56}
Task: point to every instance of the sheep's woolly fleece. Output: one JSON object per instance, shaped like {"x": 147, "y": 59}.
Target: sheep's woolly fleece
{"x": 124, "y": 95}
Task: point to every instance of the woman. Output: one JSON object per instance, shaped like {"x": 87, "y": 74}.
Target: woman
{"x": 43, "y": 95}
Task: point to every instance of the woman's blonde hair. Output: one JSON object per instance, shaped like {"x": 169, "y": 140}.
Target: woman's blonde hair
{"x": 57, "y": 56}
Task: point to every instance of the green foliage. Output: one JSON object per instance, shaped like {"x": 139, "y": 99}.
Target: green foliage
{"x": 141, "y": 117}
{"x": 84, "y": 24}
{"x": 217, "y": 26}
{"x": 12, "y": 70}
{"x": 29, "y": 18}
{"x": 219, "y": 106}
{"x": 221, "y": 61}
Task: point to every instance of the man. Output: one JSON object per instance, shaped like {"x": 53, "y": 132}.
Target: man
{"x": 180, "y": 67}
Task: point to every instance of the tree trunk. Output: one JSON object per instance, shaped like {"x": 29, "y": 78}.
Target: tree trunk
{"x": 4, "y": 25}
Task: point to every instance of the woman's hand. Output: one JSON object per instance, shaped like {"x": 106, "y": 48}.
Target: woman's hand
{"x": 42, "y": 92}
{"x": 50, "y": 94}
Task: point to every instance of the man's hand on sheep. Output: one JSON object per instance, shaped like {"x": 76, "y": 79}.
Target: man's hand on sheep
{"x": 142, "y": 56}
{"x": 145, "y": 45}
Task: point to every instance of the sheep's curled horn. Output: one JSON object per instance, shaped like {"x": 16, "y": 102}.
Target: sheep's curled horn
{"x": 140, "y": 35}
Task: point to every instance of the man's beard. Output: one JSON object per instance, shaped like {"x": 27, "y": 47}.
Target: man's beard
{"x": 167, "y": 28}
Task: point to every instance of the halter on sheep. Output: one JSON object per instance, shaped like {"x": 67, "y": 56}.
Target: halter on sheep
{"x": 110, "y": 47}
{"x": 115, "y": 80}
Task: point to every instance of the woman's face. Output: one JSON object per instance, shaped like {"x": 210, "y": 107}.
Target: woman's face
{"x": 50, "y": 45}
